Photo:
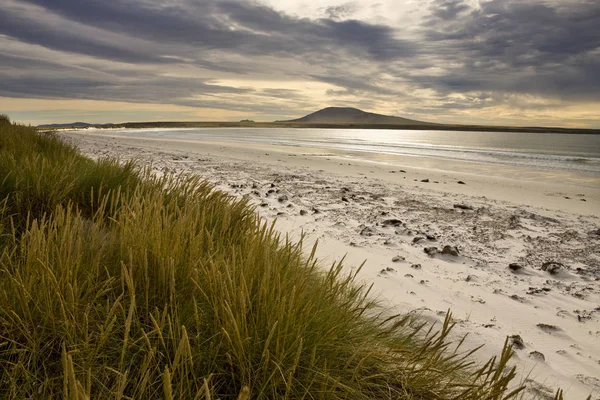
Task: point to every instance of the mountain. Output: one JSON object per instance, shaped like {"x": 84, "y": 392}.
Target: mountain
{"x": 347, "y": 115}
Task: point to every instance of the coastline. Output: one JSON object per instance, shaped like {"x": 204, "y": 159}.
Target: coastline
{"x": 510, "y": 221}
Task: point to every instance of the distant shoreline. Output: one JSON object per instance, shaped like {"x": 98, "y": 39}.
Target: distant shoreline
{"x": 226, "y": 124}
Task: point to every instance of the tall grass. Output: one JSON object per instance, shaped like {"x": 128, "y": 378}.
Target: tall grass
{"x": 118, "y": 284}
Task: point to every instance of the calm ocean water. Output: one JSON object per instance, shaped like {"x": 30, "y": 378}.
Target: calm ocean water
{"x": 576, "y": 155}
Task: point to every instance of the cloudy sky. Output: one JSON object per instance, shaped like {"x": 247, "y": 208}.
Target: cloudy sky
{"x": 510, "y": 62}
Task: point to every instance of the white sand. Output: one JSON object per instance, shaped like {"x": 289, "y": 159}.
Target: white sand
{"x": 345, "y": 203}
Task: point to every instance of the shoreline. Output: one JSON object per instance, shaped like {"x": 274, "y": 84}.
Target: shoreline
{"x": 346, "y": 203}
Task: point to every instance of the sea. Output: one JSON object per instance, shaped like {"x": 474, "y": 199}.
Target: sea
{"x": 571, "y": 158}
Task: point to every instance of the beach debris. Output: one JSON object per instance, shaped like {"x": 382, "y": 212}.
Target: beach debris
{"x": 582, "y": 200}
{"x": 515, "y": 267}
{"x": 408, "y": 276}
{"x": 536, "y": 355}
{"x": 469, "y": 278}
{"x": 416, "y": 266}
{"x": 517, "y": 298}
{"x": 282, "y": 199}
{"x": 417, "y": 239}
{"x": 552, "y": 267}
{"x": 315, "y": 210}
{"x": 548, "y": 328}
{"x": 463, "y": 206}
{"x": 398, "y": 258}
{"x": 537, "y": 217}
{"x": 280, "y": 213}
{"x": 514, "y": 222}
{"x": 461, "y": 183}
{"x": 451, "y": 250}
{"x": 402, "y": 171}
{"x": 517, "y": 341}
{"x": 391, "y": 222}
{"x": 431, "y": 250}
{"x": 264, "y": 204}
{"x": 344, "y": 198}
{"x": 303, "y": 212}
{"x": 425, "y": 180}
{"x": 430, "y": 237}
{"x": 385, "y": 271}
{"x": 422, "y": 282}
{"x": 534, "y": 290}
{"x": 367, "y": 231}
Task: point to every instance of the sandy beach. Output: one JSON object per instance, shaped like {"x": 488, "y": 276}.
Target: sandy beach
{"x": 510, "y": 256}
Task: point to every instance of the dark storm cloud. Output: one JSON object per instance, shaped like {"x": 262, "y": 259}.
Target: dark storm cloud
{"x": 246, "y": 28}
{"x": 77, "y": 85}
{"x": 28, "y": 30}
{"x": 516, "y": 47}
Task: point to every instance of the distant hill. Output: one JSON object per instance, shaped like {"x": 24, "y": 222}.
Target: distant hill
{"x": 72, "y": 125}
{"x": 348, "y": 115}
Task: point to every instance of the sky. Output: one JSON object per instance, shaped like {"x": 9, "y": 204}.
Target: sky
{"x": 497, "y": 62}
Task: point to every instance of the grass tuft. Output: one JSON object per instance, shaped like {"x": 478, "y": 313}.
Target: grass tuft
{"x": 118, "y": 284}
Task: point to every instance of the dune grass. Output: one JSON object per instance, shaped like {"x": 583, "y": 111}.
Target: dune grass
{"x": 118, "y": 284}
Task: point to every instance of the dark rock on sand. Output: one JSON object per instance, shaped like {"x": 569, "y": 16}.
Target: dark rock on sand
{"x": 431, "y": 250}
{"x": 344, "y": 198}
{"x": 517, "y": 298}
{"x": 367, "y": 231}
{"x": 303, "y": 212}
{"x": 548, "y": 328}
{"x": 515, "y": 267}
{"x": 514, "y": 222}
{"x": 536, "y": 355}
{"x": 417, "y": 239}
{"x": 461, "y": 183}
{"x": 416, "y": 266}
{"x": 451, "y": 250}
{"x": 391, "y": 222}
{"x": 517, "y": 342}
{"x": 431, "y": 237}
{"x": 425, "y": 180}
{"x": 463, "y": 206}
{"x": 398, "y": 259}
{"x": 552, "y": 267}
